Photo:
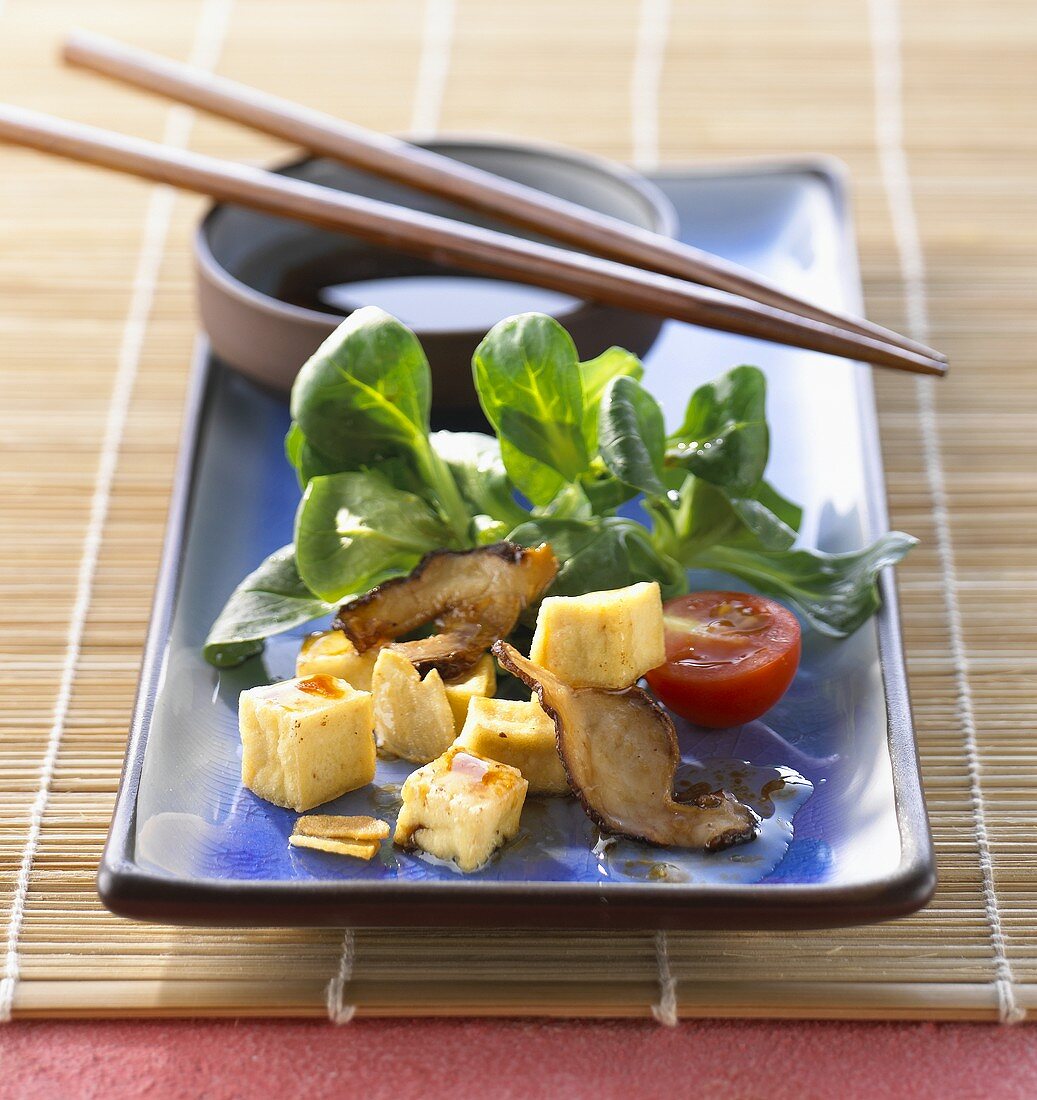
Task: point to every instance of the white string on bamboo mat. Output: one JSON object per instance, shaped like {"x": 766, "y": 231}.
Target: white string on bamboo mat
{"x": 210, "y": 34}
{"x": 884, "y": 19}
{"x": 433, "y": 68}
{"x": 653, "y": 29}
{"x": 665, "y": 1009}
{"x": 338, "y": 1011}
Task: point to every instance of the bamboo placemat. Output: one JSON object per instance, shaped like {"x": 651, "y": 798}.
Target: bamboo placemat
{"x": 96, "y": 328}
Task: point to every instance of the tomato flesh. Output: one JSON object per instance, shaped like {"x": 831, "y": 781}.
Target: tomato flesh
{"x": 730, "y": 656}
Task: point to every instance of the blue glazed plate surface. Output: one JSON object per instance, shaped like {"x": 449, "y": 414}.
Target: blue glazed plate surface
{"x": 844, "y": 840}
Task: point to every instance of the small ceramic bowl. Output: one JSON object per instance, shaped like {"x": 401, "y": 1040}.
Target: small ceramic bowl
{"x": 270, "y": 290}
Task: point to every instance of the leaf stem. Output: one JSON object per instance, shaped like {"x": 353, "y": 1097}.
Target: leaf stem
{"x": 447, "y": 496}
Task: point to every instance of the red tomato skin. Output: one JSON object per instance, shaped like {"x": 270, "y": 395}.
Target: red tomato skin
{"x": 726, "y": 695}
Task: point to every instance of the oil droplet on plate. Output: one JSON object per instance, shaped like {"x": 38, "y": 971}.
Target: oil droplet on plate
{"x": 775, "y": 793}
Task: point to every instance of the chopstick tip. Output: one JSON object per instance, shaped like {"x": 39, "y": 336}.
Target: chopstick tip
{"x": 75, "y": 41}
{"x": 938, "y": 368}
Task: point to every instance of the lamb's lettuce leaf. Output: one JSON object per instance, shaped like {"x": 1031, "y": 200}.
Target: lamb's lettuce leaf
{"x": 596, "y": 374}
{"x": 836, "y": 593}
{"x": 271, "y": 599}
{"x": 355, "y": 530}
{"x": 366, "y": 392}
{"x": 306, "y": 460}
{"x": 363, "y": 399}
{"x": 605, "y": 553}
{"x": 475, "y": 461}
{"x": 631, "y": 435}
{"x": 724, "y": 437}
{"x": 527, "y": 375}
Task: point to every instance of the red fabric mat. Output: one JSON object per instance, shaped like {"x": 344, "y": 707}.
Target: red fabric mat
{"x": 502, "y": 1060}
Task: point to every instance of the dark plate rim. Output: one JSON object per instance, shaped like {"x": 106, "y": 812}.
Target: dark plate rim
{"x": 129, "y": 891}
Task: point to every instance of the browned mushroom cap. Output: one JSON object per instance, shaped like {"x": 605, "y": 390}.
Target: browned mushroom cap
{"x": 474, "y": 597}
{"x": 620, "y": 753}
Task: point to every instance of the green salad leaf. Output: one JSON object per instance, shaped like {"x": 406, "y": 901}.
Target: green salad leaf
{"x": 475, "y": 461}
{"x": 595, "y": 375}
{"x": 305, "y": 458}
{"x": 701, "y": 515}
{"x": 723, "y": 446}
{"x": 724, "y": 437}
{"x": 836, "y": 593}
{"x": 596, "y": 556}
{"x": 762, "y": 524}
{"x": 527, "y": 375}
{"x": 363, "y": 399}
{"x": 603, "y": 490}
{"x": 788, "y": 513}
{"x": 355, "y": 530}
{"x": 366, "y": 392}
{"x": 631, "y": 434}
{"x": 692, "y": 518}
{"x": 269, "y": 600}
{"x": 574, "y": 444}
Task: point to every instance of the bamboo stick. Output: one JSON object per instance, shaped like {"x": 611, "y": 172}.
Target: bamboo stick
{"x": 477, "y": 249}
{"x": 435, "y": 174}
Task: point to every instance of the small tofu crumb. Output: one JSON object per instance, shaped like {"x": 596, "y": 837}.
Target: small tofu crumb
{"x": 359, "y": 849}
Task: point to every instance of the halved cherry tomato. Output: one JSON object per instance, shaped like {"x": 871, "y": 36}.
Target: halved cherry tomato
{"x": 730, "y": 657}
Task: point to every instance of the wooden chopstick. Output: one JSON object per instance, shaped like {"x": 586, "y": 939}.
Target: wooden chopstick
{"x": 440, "y": 175}
{"x": 468, "y": 246}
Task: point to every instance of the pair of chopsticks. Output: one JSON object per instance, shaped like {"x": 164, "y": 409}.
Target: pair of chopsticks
{"x": 622, "y": 266}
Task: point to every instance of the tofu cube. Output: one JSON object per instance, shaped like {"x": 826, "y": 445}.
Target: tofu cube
{"x": 412, "y": 716}
{"x": 462, "y": 807}
{"x": 331, "y": 653}
{"x": 519, "y": 734}
{"x": 603, "y": 639}
{"x": 479, "y": 682}
{"x": 306, "y": 741}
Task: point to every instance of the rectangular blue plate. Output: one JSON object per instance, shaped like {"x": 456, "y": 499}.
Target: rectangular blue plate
{"x": 189, "y": 844}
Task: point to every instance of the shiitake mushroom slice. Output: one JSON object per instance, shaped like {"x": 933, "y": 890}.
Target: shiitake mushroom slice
{"x": 620, "y": 752}
{"x": 474, "y": 597}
